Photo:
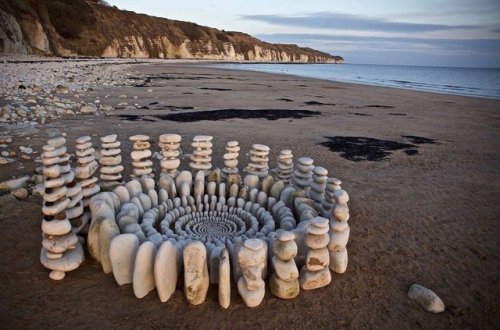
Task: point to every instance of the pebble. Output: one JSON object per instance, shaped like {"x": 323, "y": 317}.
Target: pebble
{"x": 20, "y": 193}
{"x": 427, "y": 298}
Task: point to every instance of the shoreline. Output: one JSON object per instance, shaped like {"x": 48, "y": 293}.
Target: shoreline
{"x": 421, "y": 170}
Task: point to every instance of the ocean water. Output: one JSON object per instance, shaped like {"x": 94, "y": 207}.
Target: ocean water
{"x": 460, "y": 81}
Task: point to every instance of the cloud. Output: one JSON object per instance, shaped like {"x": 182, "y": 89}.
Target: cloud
{"x": 328, "y": 20}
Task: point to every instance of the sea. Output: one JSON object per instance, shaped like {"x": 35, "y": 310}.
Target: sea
{"x": 475, "y": 82}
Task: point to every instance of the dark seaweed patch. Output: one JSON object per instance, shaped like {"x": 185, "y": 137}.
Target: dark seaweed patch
{"x": 223, "y": 114}
{"x": 378, "y": 106}
{"x": 360, "y": 114}
{"x": 285, "y": 99}
{"x": 411, "y": 152}
{"x": 396, "y": 114}
{"x": 419, "y": 139}
{"x": 318, "y": 103}
{"x": 358, "y": 149}
{"x": 216, "y": 89}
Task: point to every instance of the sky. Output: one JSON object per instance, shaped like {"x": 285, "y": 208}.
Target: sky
{"x": 461, "y": 33}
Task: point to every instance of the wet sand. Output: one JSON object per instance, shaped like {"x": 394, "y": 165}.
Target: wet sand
{"x": 422, "y": 210}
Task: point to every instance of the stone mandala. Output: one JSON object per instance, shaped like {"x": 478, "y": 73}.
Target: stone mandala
{"x": 287, "y": 224}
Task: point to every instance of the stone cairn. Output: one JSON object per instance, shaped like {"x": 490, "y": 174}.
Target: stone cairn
{"x": 259, "y": 160}
{"x": 170, "y": 145}
{"x": 339, "y": 232}
{"x": 150, "y": 233}
{"x": 252, "y": 259}
{"x": 285, "y": 166}
{"x": 315, "y": 273}
{"x": 302, "y": 174}
{"x": 61, "y": 252}
{"x": 200, "y": 159}
{"x": 84, "y": 171}
{"x": 318, "y": 185}
{"x": 140, "y": 156}
{"x": 284, "y": 282}
{"x": 110, "y": 161}
{"x": 231, "y": 159}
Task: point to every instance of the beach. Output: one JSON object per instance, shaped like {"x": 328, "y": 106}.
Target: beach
{"x": 421, "y": 170}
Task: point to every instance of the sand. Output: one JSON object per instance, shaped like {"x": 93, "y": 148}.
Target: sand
{"x": 428, "y": 217}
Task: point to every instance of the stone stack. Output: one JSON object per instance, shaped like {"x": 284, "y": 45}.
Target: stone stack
{"x": 339, "y": 233}
{"x": 200, "y": 159}
{"x": 285, "y": 166}
{"x": 110, "y": 161}
{"x": 84, "y": 171}
{"x": 318, "y": 185}
{"x": 315, "y": 273}
{"x": 231, "y": 159}
{"x": 61, "y": 251}
{"x": 252, "y": 260}
{"x": 75, "y": 210}
{"x": 302, "y": 174}
{"x": 284, "y": 281}
{"x": 140, "y": 156}
{"x": 170, "y": 145}
{"x": 259, "y": 161}
{"x": 327, "y": 204}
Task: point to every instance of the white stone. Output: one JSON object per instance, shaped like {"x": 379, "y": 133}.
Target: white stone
{"x": 224, "y": 279}
{"x": 122, "y": 251}
{"x": 196, "y": 279}
{"x": 143, "y": 280}
{"x": 165, "y": 270}
{"x": 427, "y": 298}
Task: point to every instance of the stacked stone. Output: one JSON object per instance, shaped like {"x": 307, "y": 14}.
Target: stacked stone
{"x": 140, "y": 156}
{"x": 327, "y": 204}
{"x": 231, "y": 159}
{"x": 259, "y": 161}
{"x": 339, "y": 233}
{"x": 285, "y": 166}
{"x": 315, "y": 273}
{"x": 110, "y": 161}
{"x": 252, "y": 259}
{"x": 75, "y": 211}
{"x": 170, "y": 145}
{"x": 87, "y": 165}
{"x": 61, "y": 251}
{"x": 200, "y": 159}
{"x": 318, "y": 185}
{"x": 302, "y": 174}
{"x": 284, "y": 281}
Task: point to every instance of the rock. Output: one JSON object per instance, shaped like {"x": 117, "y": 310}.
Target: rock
{"x": 165, "y": 270}
{"x": 252, "y": 298}
{"x": 88, "y": 109}
{"x": 143, "y": 279}
{"x": 196, "y": 279}
{"x": 427, "y": 298}
{"x": 285, "y": 270}
{"x": 20, "y": 193}
{"x": 122, "y": 251}
{"x": 314, "y": 280}
{"x": 107, "y": 231}
{"x": 26, "y": 150}
{"x": 338, "y": 261}
{"x": 70, "y": 260}
{"x": 283, "y": 289}
{"x": 224, "y": 279}
{"x": 13, "y": 184}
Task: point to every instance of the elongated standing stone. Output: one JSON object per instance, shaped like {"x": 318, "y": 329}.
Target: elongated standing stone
{"x": 196, "y": 279}
{"x": 170, "y": 150}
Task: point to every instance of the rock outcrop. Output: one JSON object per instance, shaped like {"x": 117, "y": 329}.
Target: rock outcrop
{"x": 86, "y": 28}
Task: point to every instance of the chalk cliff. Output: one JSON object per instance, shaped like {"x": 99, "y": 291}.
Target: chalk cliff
{"x": 87, "y": 28}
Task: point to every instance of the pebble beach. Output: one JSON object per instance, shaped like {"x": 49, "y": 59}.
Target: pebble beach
{"x": 421, "y": 170}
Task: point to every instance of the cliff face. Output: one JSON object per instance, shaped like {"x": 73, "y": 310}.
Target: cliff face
{"x": 83, "y": 27}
